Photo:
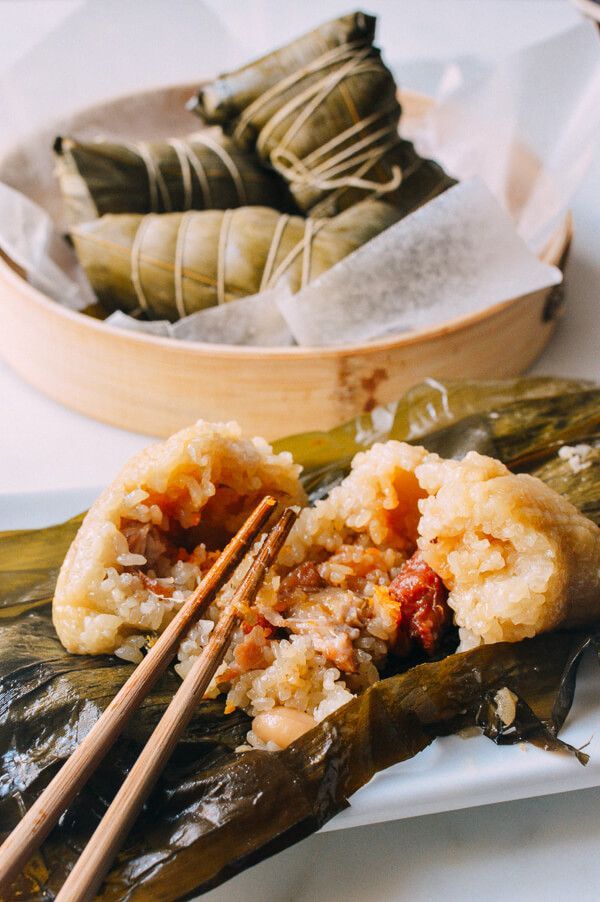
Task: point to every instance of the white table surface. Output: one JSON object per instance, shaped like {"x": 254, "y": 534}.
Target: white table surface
{"x": 543, "y": 848}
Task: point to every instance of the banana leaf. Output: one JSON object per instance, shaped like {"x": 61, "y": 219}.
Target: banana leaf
{"x": 216, "y": 812}
{"x": 204, "y": 171}
{"x": 173, "y": 264}
{"x": 323, "y": 112}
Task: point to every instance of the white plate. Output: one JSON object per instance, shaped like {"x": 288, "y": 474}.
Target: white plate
{"x": 452, "y": 773}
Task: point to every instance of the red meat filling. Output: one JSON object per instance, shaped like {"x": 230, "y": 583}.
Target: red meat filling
{"x": 421, "y": 596}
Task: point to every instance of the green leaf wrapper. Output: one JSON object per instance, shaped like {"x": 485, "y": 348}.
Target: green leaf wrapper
{"x": 215, "y": 812}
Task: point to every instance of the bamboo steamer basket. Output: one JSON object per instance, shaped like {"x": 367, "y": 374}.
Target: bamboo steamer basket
{"x": 156, "y": 385}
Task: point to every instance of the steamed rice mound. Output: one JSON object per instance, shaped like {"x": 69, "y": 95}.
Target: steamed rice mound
{"x": 148, "y": 539}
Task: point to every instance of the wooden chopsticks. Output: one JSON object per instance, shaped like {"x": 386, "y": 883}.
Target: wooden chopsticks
{"x": 74, "y": 774}
{"x": 96, "y": 858}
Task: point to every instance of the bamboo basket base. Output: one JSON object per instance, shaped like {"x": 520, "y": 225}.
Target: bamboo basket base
{"x": 155, "y": 385}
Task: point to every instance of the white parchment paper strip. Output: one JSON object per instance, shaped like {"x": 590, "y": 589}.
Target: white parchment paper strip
{"x": 456, "y": 255}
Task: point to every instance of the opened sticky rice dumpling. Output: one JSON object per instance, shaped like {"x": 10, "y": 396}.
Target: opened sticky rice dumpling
{"x": 149, "y": 538}
{"x": 203, "y": 171}
{"x": 173, "y": 264}
{"x": 407, "y": 544}
{"x": 323, "y": 112}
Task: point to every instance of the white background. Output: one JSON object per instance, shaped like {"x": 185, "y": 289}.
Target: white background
{"x": 538, "y": 849}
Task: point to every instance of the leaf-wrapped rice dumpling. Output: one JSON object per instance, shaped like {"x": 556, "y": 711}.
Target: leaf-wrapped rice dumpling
{"x": 172, "y": 264}
{"x": 323, "y": 112}
{"x": 203, "y": 171}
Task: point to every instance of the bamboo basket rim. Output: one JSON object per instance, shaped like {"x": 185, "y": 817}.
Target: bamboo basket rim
{"x": 551, "y": 252}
